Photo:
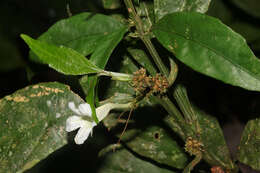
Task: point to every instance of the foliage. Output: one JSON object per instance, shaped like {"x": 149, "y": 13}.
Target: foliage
{"x": 150, "y": 50}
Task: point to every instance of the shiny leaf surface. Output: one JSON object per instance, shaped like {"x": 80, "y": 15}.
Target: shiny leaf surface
{"x": 62, "y": 59}
{"x": 164, "y": 7}
{"x": 87, "y": 33}
{"x": 210, "y": 47}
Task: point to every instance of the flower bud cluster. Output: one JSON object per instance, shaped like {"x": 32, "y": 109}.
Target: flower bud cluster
{"x": 193, "y": 146}
{"x": 143, "y": 83}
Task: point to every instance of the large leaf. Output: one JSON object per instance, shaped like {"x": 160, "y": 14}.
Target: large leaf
{"x": 164, "y": 7}
{"x": 249, "y": 148}
{"x": 215, "y": 147}
{"x": 62, "y": 59}
{"x": 86, "y": 33}
{"x": 210, "y": 47}
{"x": 124, "y": 161}
{"x": 155, "y": 143}
{"x": 32, "y": 124}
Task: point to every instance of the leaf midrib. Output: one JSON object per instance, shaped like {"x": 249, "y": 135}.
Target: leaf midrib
{"x": 214, "y": 51}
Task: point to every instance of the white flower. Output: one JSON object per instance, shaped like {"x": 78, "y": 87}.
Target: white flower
{"x": 84, "y": 121}
{"x": 77, "y": 121}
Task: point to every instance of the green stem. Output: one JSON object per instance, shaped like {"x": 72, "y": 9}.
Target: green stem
{"x": 165, "y": 101}
{"x": 117, "y": 76}
{"x": 173, "y": 111}
{"x": 192, "y": 164}
{"x": 147, "y": 41}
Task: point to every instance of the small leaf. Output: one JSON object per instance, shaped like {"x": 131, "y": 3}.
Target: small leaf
{"x": 32, "y": 124}
{"x": 62, "y": 59}
{"x": 124, "y": 161}
{"x": 249, "y": 148}
{"x": 210, "y": 47}
{"x": 164, "y": 7}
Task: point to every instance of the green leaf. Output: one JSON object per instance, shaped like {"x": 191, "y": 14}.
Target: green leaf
{"x": 164, "y": 7}
{"x": 140, "y": 56}
{"x": 62, "y": 59}
{"x": 32, "y": 124}
{"x": 206, "y": 129}
{"x": 252, "y": 7}
{"x": 111, "y": 4}
{"x": 249, "y": 148}
{"x": 210, "y": 47}
{"x": 86, "y": 33}
{"x": 124, "y": 161}
{"x": 215, "y": 148}
{"x": 147, "y": 136}
{"x": 155, "y": 143}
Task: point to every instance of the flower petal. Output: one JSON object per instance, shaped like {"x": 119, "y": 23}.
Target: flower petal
{"x": 85, "y": 109}
{"x": 82, "y": 135}
{"x": 102, "y": 111}
{"x": 73, "y": 123}
{"x": 73, "y": 108}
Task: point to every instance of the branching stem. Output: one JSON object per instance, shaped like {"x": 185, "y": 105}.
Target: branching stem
{"x": 165, "y": 102}
{"x": 147, "y": 41}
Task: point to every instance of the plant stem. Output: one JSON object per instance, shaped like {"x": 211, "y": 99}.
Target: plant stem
{"x": 165, "y": 101}
{"x": 192, "y": 164}
{"x": 174, "y": 112}
{"x": 171, "y": 109}
{"x": 147, "y": 41}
